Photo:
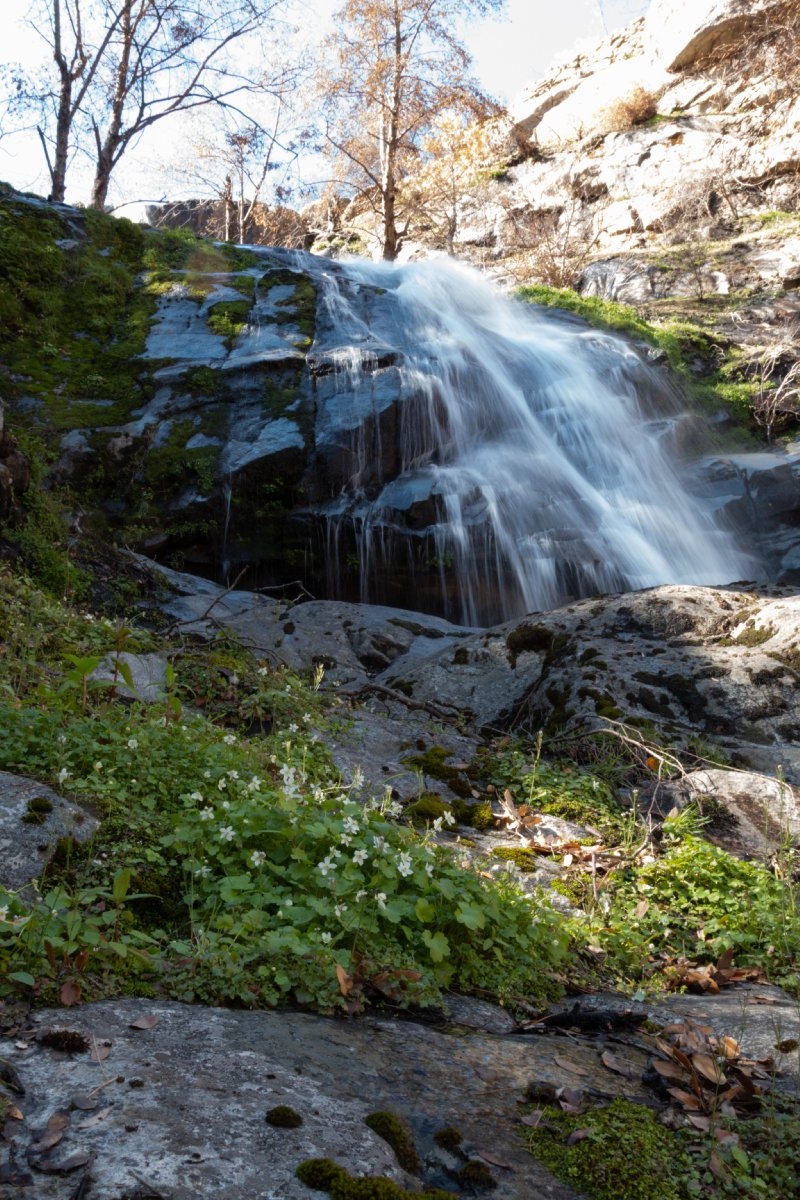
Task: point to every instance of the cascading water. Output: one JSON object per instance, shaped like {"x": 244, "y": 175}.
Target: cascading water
{"x": 528, "y": 463}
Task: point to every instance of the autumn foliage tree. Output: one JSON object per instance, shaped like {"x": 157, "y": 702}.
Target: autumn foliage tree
{"x": 394, "y": 69}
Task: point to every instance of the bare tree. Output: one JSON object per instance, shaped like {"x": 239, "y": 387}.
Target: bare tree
{"x": 779, "y": 387}
{"x": 120, "y": 66}
{"x": 396, "y": 66}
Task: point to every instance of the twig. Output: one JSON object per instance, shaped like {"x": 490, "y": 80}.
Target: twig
{"x": 401, "y": 698}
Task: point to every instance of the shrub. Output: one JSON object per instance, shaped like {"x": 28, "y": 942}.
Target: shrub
{"x": 634, "y": 109}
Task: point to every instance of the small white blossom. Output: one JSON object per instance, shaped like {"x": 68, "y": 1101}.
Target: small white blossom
{"x": 404, "y": 864}
{"x": 351, "y": 825}
{"x": 360, "y": 894}
{"x": 340, "y": 909}
{"x": 360, "y": 857}
{"x": 206, "y": 774}
{"x": 132, "y": 743}
{"x": 293, "y": 728}
{"x": 206, "y": 814}
{"x": 358, "y": 779}
{"x": 449, "y": 819}
{"x": 63, "y": 774}
{"x": 326, "y": 865}
{"x": 257, "y": 858}
{"x": 254, "y": 784}
{"x": 326, "y": 938}
{"x": 429, "y": 870}
{"x": 229, "y": 739}
{"x": 345, "y": 839}
{"x": 233, "y": 774}
{"x": 222, "y": 783}
{"x": 380, "y": 898}
{"x": 98, "y": 766}
{"x": 225, "y": 804}
{"x": 3, "y": 912}
{"x": 262, "y": 670}
{"x": 226, "y": 833}
{"x": 197, "y": 797}
{"x": 201, "y": 872}
{"x": 307, "y": 718}
{"x": 62, "y": 738}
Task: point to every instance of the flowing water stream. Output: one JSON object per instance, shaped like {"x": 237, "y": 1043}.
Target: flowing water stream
{"x": 530, "y": 461}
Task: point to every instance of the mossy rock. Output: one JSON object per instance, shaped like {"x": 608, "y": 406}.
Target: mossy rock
{"x": 325, "y": 1175}
{"x": 393, "y": 1130}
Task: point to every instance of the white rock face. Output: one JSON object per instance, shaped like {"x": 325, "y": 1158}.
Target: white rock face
{"x": 676, "y": 34}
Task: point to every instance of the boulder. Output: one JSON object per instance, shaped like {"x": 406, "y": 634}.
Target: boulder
{"x": 677, "y": 34}
{"x": 33, "y": 817}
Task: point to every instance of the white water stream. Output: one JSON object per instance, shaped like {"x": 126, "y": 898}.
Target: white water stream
{"x": 536, "y": 448}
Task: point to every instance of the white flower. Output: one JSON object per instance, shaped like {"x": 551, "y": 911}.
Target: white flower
{"x": 225, "y": 804}
{"x": 326, "y": 938}
{"x": 360, "y": 857}
{"x": 262, "y": 670}
{"x": 449, "y": 819}
{"x": 340, "y": 909}
{"x": 404, "y": 864}
{"x": 226, "y": 833}
{"x": 233, "y": 774}
{"x": 3, "y": 911}
{"x": 294, "y": 728}
{"x": 257, "y": 858}
{"x": 345, "y": 839}
{"x": 429, "y": 870}
{"x": 98, "y": 766}
{"x": 222, "y": 783}
{"x": 206, "y": 814}
{"x": 351, "y": 825}
{"x": 288, "y": 903}
{"x": 254, "y": 784}
{"x": 197, "y": 797}
{"x": 62, "y": 738}
{"x": 307, "y": 718}
{"x": 437, "y": 825}
{"x": 360, "y": 894}
{"x": 229, "y": 739}
{"x": 203, "y": 871}
{"x": 379, "y": 843}
{"x": 132, "y": 743}
{"x": 380, "y": 898}
{"x": 326, "y": 865}
{"x": 63, "y": 774}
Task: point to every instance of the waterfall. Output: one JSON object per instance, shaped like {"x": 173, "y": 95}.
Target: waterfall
{"x": 530, "y": 465}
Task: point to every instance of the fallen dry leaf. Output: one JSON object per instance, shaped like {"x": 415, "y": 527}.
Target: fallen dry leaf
{"x": 146, "y": 1021}
{"x": 613, "y": 1064}
{"x": 699, "y": 1122}
{"x": 576, "y": 1068}
{"x": 57, "y": 1126}
{"x": 345, "y": 982}
{"x": 79, "y": 1159}
{"x": 669, "y": 1070}
{"x": 14, "y": 1113}
{"x": 686, "y": 1099}
{"x": 70, "y": 993}
{"x": 101, "y": 1050}
{"x": 97, "y": 1119}
{"x": 710, "y": 1070}
{"x": 496, "y": 1162}
{"x": 533, "y": 1119}
{"x": 576, "y": 1136}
